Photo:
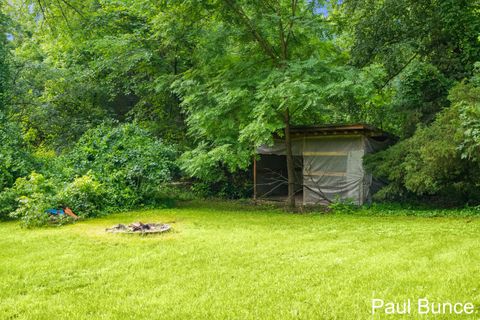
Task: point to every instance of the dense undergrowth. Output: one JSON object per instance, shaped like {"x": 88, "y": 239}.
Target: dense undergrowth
{"x": 111, "y": 168}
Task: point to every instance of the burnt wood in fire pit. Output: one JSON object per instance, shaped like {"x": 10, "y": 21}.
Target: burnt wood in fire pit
{"x": 139, "y": 227}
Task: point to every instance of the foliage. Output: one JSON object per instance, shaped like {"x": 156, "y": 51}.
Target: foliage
{"x": 80, "y": 63}
{"x": 343, "y": 206}
{"x": 88, "y": 196}
{"x": 417, "y": 209}
{"x": 15, "y": 160}
{"x": 35, "y": 194}
{"x": 112, "y": 167}
{"x": 443, "y": 33}
{"x": 4, "y": 66}
{"x": 212, "y": 80}
{"x": 424, "y": 45}
{"x": 224, "y": 185}
{"x": 254, "y": 81}
{"x": 8, "y": 203}
{"x": 440, "y": 159}
{"x": 420, "y": 92}
{"x": 466, "y": 97}
{"x": 127, "y": 160}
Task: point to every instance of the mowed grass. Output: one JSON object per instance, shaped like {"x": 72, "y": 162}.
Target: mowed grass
{"x": 225, "y": 261}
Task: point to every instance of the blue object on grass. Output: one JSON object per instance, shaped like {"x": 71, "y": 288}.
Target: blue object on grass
{"x": 55, "y": 211}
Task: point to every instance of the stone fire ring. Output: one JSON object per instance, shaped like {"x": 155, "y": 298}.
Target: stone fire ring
{"x": 139, "y": 228}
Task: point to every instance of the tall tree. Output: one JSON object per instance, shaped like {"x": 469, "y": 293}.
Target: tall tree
{"x": 14, "y": 158}
{"x": 81, "y": 62}
{"x": 261, "y": 67}
{"x": 424, "y": 45}
{"x": 4, "y": 70}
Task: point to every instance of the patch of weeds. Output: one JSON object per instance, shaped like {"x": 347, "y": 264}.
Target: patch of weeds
{"x": 343, "y": 206}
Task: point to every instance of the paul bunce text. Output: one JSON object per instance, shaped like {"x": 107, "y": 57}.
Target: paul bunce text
{"x": 421, "y": 306}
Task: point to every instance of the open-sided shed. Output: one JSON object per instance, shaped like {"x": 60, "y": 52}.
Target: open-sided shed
{"x": 328, "y": 164}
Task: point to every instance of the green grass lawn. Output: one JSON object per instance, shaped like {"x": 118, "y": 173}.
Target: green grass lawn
{"x": 223, "y": 261}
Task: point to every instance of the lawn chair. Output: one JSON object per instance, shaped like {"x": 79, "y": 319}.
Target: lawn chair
{"x": 58, "y": 212}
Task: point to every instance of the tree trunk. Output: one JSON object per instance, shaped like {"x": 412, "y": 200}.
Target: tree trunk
{"x": 290, "y": 164}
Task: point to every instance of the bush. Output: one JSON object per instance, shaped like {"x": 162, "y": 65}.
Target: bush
{"x": 111, "y": 168}
{"x": 225, "y": 185}
{"x": 88, "y": 197}
{"x": 35, "y": 194}
{"x": 130, "y": 163}
{"x": 8, "y": 203}
{"x": 344, "y": 206}
{"x": 440, "y": 161}
{"x": 30, "y": 197}
{"x": 15, "y": 161}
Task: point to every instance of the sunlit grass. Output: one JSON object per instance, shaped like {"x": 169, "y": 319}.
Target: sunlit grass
{"x": 225, "y": 262}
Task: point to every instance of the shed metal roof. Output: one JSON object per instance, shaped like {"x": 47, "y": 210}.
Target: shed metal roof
{"x": 343, "y": 129}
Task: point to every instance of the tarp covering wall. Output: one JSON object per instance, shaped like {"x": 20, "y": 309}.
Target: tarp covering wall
{"x": 332, "y": 166}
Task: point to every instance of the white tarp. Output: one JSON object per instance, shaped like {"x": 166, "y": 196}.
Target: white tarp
{"x": 332, "y": 166}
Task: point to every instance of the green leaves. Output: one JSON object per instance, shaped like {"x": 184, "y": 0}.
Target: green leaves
{"x": 216, "y": 78}
{"x": 15, "y": 160}
{"x": 123, "y": 156}
{"x": 424, "y": 46}
{"x": 87, "y": 195}
{"x": 34, "y": 194}
{"x": 440, "y": 159}
{"x": 273, "y": 58}
{"x": 466, "y": 97}
{"x": 111, "y": 167}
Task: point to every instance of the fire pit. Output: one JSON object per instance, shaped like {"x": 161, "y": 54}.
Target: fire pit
{"x": 140, "y": 228}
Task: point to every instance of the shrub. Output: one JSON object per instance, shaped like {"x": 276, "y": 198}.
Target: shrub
{"x": 111, "y": 168}
{"x": 15, "y": 161}
{"x": 8, "y": 203}
{"x": 439, "y": 161}
{"x": 87, "y": 196}
{"x": 130, "y": 163}
{"x": 225, "y": 185}
{"x": 345, "y": 206}
{"x": 35, "y": 194}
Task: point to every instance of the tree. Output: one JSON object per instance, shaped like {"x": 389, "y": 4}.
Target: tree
{"x": 82, "y": 62}
{"x": 262, "y": 66}
{"x": 440, "y": 159}
{"x": 4, "y": 69}
{"x": 15, "y": 161}
{"x": 424, "y": 45}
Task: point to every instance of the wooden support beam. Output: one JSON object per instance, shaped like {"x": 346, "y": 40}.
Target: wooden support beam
{"x": 254, "y": 178}
{"x": 325, "y": 173}
{"x": 325, "y": 153}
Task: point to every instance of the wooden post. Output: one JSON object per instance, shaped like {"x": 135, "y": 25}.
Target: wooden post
{"x": 254, "y": 179}
{"x": 290, "y": 164}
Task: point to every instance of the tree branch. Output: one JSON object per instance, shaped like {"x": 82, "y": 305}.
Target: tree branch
{"x": 398, "y": 72}
{"x": 63, "y": 15}
{"x": 80, "y": 13}
{"x": 283, "y": 40}
{"x": 247, "y": 22}
{"x": 292, "y": 17}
